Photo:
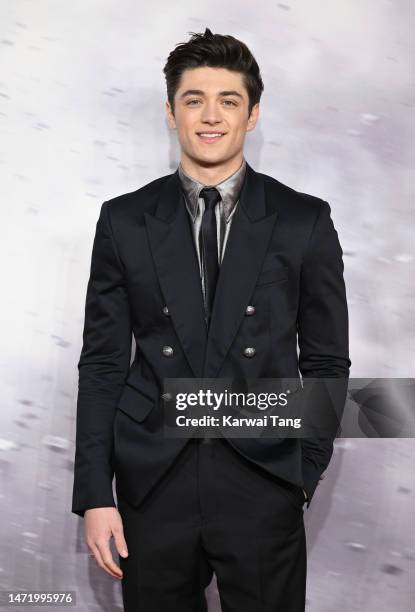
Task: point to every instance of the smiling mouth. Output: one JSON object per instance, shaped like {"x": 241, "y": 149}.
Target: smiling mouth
{"x": 210, "y": 137}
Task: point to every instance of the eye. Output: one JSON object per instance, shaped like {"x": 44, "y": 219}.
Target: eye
{"x": 231, "y": 102}
{"x": 190, "y": 103}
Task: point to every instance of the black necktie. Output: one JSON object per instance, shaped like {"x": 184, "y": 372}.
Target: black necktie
{"x": 209, "y": 246}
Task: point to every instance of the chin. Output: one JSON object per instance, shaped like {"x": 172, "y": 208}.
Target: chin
{"x": 212, "y": 160}
{"x": 206, "y": 159}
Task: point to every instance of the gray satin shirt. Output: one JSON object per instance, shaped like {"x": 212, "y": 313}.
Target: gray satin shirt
{"x": 229, "y": 190}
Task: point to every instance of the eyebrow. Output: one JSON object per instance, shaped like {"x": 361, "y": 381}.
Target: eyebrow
{"x": 200, "y": 92}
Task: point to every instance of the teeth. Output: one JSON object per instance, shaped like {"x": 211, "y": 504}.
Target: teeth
{"x": 211, "y": 135}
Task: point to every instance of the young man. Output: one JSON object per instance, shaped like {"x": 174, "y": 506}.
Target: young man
{"x": 217, "y": 270}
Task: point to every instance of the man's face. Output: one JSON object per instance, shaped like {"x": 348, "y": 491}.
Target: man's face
{"x": 211, "y": 100}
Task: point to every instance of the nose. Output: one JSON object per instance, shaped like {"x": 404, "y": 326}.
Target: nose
{"x": 211, "y": 112}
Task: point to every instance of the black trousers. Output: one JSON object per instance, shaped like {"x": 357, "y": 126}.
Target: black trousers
{"x": 215, "y": 511}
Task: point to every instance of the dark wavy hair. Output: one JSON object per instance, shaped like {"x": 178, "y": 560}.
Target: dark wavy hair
{"x": 215, "y": 51}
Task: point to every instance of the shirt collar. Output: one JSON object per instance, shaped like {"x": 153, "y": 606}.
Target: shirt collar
{"x": 229, "y": 190}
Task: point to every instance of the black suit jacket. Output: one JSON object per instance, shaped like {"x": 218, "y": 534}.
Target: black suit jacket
{"x": 282, "y": 255}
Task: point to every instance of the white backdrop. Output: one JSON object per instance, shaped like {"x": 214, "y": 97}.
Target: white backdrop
{"x": 82, "y": 119}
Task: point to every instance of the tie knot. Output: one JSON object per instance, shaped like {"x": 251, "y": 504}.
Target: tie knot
{"x": 211, "y": 196}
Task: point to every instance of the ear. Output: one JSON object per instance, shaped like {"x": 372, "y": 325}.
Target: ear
{"x": 253, "y": 117}
{"x": 170, "y": 117}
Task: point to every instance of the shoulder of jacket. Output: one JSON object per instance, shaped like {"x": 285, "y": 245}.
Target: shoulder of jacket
{"x": 139, "y": 200}
{"x": 294, "y": 200}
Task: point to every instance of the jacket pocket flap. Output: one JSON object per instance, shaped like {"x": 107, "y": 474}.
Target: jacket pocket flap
{"x": 272, "y": 275}
{"x": 135, "y": 404}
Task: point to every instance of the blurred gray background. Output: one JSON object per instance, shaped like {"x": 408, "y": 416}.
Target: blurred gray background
{"x": 82, "y": 119}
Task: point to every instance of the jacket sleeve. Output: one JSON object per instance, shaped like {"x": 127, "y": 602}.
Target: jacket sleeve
{"x": 103, "y": 367}
{"x": 323, "y": 336}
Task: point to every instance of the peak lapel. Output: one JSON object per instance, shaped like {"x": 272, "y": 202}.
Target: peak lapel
{"x": 177, "y": 267}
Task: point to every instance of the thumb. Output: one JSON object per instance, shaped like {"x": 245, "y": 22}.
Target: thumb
{"x": 120, "y": 543}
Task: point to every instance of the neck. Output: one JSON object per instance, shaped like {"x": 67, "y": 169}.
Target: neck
{"x": 210, "y": 174}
